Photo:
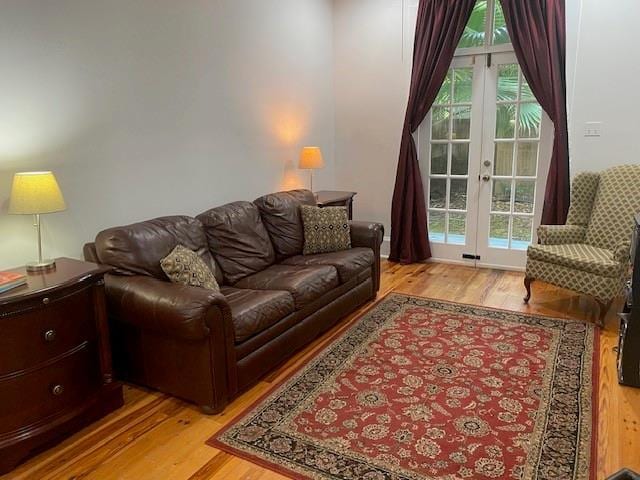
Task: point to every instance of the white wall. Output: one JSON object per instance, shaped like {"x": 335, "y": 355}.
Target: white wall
{"x": 373, "y": 43}
{"x": 154, "y": 107}
{"x": 603, "y": 69}
{"x": 372, "y": 54}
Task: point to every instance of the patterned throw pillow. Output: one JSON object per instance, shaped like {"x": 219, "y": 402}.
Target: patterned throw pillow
{"x": 325, "y": 229}
{"x": 185, "y": 267}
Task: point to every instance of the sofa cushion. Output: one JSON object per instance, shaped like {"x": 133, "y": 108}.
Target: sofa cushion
{"x": 305, "y": 283}
{"x": 185, "y": 267}
{"x": 348, "y": 263}
{"x": 578, "y": 256}
{"x": 137, "y": 249}
{"x": 238, "y": 240}
{"x": 281, "y": 216}
{"x": 325, "y": 229}
{"x": 253, "y": 311}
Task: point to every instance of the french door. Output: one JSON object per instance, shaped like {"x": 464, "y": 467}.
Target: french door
{"x": 484, "y": 152}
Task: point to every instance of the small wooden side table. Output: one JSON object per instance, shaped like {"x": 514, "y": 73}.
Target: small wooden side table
{"x": 329, "y": 198}
{"x": 55, "y": 358}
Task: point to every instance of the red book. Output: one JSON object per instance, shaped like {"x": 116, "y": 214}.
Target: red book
{"x": 7, "y": 278}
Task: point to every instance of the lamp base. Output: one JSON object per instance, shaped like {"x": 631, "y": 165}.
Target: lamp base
{"x": 44, "y": 265}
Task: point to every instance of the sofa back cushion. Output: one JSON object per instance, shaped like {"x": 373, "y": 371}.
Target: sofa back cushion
{"x": 281, "y": 216}
{"x": 137, "y": 249}
{"x": 238, "y": 240}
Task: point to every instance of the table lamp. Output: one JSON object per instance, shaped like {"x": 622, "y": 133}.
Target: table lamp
{"x": 311, "y": 159}
{"x": 35, "y": 193}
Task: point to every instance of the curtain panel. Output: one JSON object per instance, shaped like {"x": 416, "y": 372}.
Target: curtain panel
{"x": 538, "y": 34}
{"x": 439, "y": 26}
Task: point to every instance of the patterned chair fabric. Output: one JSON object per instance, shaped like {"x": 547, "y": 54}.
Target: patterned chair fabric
{"x": 590, "y": 254}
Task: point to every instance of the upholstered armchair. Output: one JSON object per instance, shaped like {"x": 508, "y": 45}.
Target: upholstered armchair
{"x": 590, "y": 254}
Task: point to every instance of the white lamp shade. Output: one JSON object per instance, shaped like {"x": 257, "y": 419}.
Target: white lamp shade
{"x": 35, "y": 192}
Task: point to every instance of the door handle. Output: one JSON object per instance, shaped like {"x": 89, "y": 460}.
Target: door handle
{"x": 486, "y": 178}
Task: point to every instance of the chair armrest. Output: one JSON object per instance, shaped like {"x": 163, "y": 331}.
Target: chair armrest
{"x": 621, "y": 253}
{"x": 165, "y": 308}
{"x": 561, "y": 234}
{"x": 369, "y": 234}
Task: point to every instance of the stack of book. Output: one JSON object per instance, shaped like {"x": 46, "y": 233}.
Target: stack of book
{"x": 9, "y": 280}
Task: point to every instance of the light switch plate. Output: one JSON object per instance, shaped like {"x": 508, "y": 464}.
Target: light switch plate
{"x": 593, "y": 129}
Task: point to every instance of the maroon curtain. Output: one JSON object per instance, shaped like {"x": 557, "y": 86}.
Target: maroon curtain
{"x": 439, "y": 26}
{"x": 537, "y": 31}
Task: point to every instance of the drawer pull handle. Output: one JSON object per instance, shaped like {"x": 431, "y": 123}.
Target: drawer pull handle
{"x": 57, "y": 390}
{"x": 49, "y": 336}
{"x": 46, "y": 300}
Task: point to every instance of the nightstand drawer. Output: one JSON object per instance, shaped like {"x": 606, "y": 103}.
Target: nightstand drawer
{"x": 55, "y": 359}
{"x": 36, "y": 335}
{"x": 40, "y": 393}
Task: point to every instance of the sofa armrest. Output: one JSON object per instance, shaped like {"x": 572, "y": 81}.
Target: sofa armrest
{"x": 165, "y": 308}
{"x": 186, "y": 317}
{"x": 369, "y": 234}
{"x": 561, "y": 234}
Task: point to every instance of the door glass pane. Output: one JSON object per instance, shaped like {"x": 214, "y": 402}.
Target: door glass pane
{"x": 436, "y": 226}
{"x": 503, "y": 158}
{"x": 505, "y": 120}
{"x": 458, "y": 194}
{"x": 499, "y": 231}
{"x": 473, "y": 35}
{"x": 526, "y": 95}
{"x": 461, "y": 122}
{"x": 517, "y": 131}
{"x": 501, "y": 196}
{"x": 524, "y": 196}
{"x": 463, "y": 79}
{"x": 449, "y": 162}
{"x": 444, "y": 94}
{"x": 459, "y": 158}
{"x": 440, "y": 123}
{"x": 439, "y": 158}
{"x": 457, "y": 228}
{"x": 522, "y": 232}
{"x": 529, "y": 120}
{"x": 507, "y": 83}
{"x": 500, "y": 33}
{"x": 527, "y": 159}
{"x": 437, "y": 192}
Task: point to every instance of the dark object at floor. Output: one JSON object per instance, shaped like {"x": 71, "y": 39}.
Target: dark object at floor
{"x": 629, "y": 338}
{"x": 624, "y": 474}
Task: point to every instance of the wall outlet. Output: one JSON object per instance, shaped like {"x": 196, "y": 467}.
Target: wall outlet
{"x": 592, "y": 129}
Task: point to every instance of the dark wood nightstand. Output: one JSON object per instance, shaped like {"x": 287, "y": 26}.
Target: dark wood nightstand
{"x": 328, "y": 198}
{"x": 55, "y": 359}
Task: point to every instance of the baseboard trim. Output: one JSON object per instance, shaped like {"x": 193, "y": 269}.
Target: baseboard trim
{"x": 467, "y": 264}
{"x": 386, "y": 243}
{"x": 501, "y": 267}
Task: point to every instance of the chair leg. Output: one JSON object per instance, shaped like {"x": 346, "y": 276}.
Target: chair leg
{"x": 604, "y": 308}
{"x": 527, "y": 285}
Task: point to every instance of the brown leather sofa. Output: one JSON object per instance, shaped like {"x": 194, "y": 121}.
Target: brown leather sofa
{"x": 207, "y": 347}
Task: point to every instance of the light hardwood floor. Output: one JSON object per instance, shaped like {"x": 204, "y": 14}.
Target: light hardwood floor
{"x": 157, "y": 437}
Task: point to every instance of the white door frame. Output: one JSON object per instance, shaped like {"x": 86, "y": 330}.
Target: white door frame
{"x": 453, "y": 253}
{"x": 506, "y": 257}
{"x": 482, "y": 129}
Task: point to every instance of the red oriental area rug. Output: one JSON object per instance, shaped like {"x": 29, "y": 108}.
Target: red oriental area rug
{"x": 424, "y": 389}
